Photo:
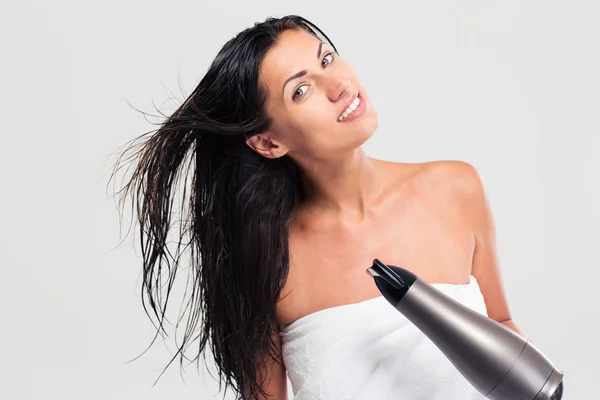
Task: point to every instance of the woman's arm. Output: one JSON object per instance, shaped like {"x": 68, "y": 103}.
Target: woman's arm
{"x": 485, "y": 266}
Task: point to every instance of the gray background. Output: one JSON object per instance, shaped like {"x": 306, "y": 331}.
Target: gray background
{"x": 511, "y": 87}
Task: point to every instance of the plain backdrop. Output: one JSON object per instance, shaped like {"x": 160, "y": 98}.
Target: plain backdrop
{"x": 511, "y": 87}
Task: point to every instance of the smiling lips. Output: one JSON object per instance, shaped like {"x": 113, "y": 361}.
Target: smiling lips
{"x": 353, "y": 111}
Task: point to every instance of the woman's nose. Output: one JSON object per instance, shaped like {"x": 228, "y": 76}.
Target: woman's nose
{"x": 337, "y": 87}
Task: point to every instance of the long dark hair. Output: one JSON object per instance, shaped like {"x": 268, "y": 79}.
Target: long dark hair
{"x": 239, "y": 206}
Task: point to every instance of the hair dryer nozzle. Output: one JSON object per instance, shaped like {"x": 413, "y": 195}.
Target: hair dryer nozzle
{"x": 393, "y": 282}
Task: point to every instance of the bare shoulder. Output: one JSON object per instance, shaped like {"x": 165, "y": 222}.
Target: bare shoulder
{"x": 448, "y": 180}
{"x": 454, "y": 175}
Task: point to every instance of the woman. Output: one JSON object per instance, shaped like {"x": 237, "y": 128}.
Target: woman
{"x": 286, "y": 211}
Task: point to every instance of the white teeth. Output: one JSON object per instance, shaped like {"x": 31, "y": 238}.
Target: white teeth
{"x": 350, "y": 108}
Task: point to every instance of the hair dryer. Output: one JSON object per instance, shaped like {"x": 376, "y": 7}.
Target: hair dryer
{"x": 497, "y": 361}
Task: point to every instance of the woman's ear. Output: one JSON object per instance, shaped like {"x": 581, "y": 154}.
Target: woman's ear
{"x": 265, "y": 146}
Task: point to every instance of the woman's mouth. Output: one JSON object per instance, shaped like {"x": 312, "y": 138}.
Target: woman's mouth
{"x": 354, "y": 110}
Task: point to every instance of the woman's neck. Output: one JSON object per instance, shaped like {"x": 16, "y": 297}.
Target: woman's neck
{"x": 349, "y": 185}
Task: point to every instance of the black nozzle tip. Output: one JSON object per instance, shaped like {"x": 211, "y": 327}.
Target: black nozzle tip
{"x": 383, "y": 271}
{"x": 393, "y": 282}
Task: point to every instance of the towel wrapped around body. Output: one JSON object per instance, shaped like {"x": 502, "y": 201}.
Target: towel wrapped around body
{"x": 370, "y": 351}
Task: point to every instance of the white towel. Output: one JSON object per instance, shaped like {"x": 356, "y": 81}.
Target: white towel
{"x": 369, "y": 351}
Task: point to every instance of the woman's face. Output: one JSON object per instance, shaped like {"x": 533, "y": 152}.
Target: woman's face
{"x": 309, "y": 89}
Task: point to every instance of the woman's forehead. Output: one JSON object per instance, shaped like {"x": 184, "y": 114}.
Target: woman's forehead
{"x": 295, "y": 50}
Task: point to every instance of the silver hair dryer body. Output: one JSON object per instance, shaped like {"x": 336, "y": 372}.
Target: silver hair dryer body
{"x": 497, "y": 361}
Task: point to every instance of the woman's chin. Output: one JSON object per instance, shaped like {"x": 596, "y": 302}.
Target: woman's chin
{"x": 363, "y": 136}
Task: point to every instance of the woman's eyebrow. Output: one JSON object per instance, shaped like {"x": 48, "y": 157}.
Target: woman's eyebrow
{"x": 303, "y": 72}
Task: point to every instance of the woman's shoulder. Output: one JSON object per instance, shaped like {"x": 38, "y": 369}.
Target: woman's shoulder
{"x": 454, "y": 175}
{"x": 441, "y": 182}
{"x": 432, "y": 169}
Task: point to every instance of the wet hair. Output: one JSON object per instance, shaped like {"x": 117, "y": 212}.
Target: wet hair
{"x": 235, "y": 225}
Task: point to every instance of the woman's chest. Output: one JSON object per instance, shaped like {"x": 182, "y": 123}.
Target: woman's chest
{"x": 328, "y": 267}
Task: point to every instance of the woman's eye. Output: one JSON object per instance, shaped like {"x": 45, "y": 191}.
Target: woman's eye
{"x": 328, "y": 59}
{"x": 299, "y": 92}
